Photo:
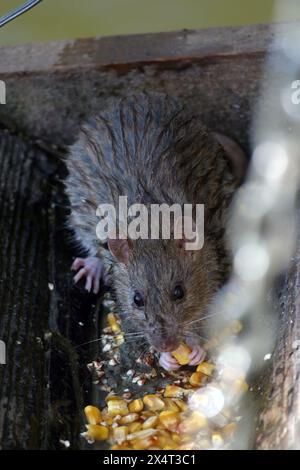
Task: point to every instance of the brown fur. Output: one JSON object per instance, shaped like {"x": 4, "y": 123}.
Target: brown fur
{"x": 150, "y": 149}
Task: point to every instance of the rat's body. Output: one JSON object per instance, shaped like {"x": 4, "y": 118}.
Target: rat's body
{"x": 148, "y": 148}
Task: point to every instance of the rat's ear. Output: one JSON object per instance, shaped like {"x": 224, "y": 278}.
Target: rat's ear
{"x": 186, "y": 234}
{"x": 120, "y": 249}
{"x": 236, "y": 155}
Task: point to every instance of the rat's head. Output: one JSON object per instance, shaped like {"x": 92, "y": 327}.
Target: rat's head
{"x": 165, "y": 289}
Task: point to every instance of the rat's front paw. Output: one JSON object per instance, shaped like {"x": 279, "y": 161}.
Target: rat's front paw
{"x": 168, "y": 362}
{"x": 196, "y": 356}
{"x": 92, "y": 269}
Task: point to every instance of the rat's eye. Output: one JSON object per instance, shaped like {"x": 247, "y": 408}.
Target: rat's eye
{"x": 138, "y": 299}
{"x": 178, "y": 292}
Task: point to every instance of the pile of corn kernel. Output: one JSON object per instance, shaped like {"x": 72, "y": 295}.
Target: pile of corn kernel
{"x": 175, "y": 417}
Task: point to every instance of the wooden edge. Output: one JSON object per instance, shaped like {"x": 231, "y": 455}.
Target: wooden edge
{"x": 141, "y": 48}
{"x": 53, "y": 87}
{"x": 278, "y": 424}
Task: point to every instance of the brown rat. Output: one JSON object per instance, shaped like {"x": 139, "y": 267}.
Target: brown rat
{"x": 149, "y": 148}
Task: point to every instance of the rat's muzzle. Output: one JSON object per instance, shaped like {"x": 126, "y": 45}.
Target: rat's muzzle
{"x": 164, "y": 344}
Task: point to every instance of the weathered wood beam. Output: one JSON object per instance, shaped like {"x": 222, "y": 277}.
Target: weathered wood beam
{"x": 52, "y": 87}
{"x": 43, "y": 317}
{"x": 278, "y": 424}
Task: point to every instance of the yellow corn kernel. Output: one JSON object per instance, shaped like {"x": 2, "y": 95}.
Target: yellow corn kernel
{"x": 196, "y": 378}
{"x": 160, "y": 426}
{"x": 92, "y": 414}
{"x": 123, "y": 446}
{"x": 171, "y": 405}
{"x": 217, "y": 440}
{"x": 181, "y": 354}
{"x": 235, "y": 328}
{"x": 130, "y": 418}
{"x": 112, "y": 398}
{"x": 107, "y": 422}
{"x": 229, "y": 430}
{"x": 176, "y": 438}
{"x": 185, "y": 438}
{"x": 115, "y": 447}
{"x": 165, "y": 433}
{"x": 241, "y": 386}
{"x": 120, "y": 433}
{"x": 119, "y": 339}
{"x": 117, "y": 406}
{"x": 150, "y": 422}
{"x": 172, "y": 446}
{"x": 181, "y": 404}
{"x": 134, "y": 427}
{"x": 153, "y": 402}
{"x": 169, "y": 419}
{"x": 173, "y": 391}
{"x": 187, "y": 446}
{"x": 142, "y": 444}
{"x": 193, "y": 423}
{"x": 106, "y": 417}
{"x": 143, "y": 434}
{"x": 164, "y": 440}
{"x": 112, "y": 321}
{"x": 206, "y": 368}
{"x": 96, "y": 432}
{"x": 146, "y": 414}
{"x": 136, "y": 405}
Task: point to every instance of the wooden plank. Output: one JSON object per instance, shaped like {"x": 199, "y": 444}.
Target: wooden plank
{"x": 135, "y": 49}
{"x": 278, "y": 424}
{"x": 52, "y": 87}
{"x": 43, "y": 384}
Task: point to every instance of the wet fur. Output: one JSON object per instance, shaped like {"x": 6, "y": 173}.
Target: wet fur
{"x": 151, "y": 149}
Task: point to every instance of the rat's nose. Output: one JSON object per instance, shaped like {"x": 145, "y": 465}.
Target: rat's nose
{"x": 167, "y": 345}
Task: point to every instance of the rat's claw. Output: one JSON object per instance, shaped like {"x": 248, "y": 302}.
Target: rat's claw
{"x": 78, "y": 263}
{"x": 168, "y": 362}
{"x": 79, "y": 275}
{"x": 92, "y": 269}
{"x": 88, "y": 284}
{"x": 196, "y": 356}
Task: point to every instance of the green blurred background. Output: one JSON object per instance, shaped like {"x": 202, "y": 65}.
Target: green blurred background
{"x": 62, "y": 19}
